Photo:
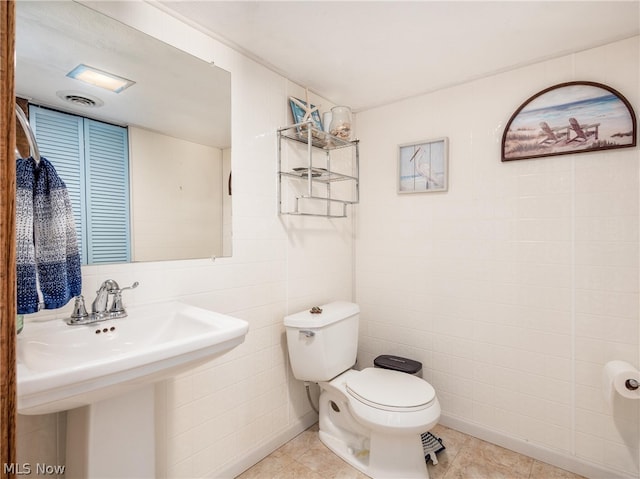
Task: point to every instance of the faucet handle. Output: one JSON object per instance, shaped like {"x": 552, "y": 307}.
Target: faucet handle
{"x": 117, "y": 306}
{"x": 114, "y": 289}
{"x": 133, "y": 286}
{"x": 79, "y": 309}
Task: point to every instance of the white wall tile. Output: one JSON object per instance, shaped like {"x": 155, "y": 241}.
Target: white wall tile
{"x": 531, "y": 272}
{"x": 513, "y": 288}
{"x": 214, "y": 416}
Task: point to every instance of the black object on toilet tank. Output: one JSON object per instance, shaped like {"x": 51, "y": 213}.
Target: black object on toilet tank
{"x": 397, "y": 363}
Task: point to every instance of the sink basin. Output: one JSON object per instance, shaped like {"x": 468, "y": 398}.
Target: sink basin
{"x": 61, "y": 367}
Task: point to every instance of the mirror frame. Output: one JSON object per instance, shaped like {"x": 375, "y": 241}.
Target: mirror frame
{"x": 8, "y": 390}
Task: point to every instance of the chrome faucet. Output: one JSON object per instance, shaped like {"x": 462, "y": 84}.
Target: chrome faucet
{"x": 116, "y": 306}
{"x": 99, "y": 305}
{"x": 99, "y": 311}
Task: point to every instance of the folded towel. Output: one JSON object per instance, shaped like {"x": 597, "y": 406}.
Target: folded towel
{"x": 48, "y": 252}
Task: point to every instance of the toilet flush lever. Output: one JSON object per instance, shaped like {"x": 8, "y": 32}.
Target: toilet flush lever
{"x": 307, "y": 333}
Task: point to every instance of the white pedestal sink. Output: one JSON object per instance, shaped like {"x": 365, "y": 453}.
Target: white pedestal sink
{"x": 107, "y": 370}
{"x": 113, "y": 438}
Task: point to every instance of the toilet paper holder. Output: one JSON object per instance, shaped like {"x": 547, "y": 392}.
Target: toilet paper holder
{"x": 632, "y": 384}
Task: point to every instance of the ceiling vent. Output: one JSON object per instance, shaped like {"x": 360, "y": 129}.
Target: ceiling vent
{"x": 80, "y": 99}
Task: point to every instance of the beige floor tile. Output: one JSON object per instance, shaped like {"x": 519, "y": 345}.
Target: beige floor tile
{"x": 302, "y": 443}
{"x": 500, "y": 456}
{"x": 465, "y": 457}
{"x": 269, "y": 467}
{"x": 480, "y": 459}
{"x": 466, "y": 467}
{"x": 453, "y": 442}
{"x": 348, "y": 472}
{"x": 540, "y": 470}
{"x": 296, "y": 470}
{"x": 323, "y": 461}
{"x": 452, "y": 439}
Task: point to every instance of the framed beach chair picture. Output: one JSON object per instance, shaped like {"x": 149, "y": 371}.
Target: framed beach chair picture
{"x": 569, "y": 118}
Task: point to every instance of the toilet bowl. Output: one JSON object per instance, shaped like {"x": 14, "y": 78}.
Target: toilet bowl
{"x": 372, "y": 418}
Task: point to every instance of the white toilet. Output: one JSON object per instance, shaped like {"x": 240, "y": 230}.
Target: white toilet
{"x": 373, "y": 418}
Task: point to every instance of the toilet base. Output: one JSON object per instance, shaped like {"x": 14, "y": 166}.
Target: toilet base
{"x": 393, "y": 457}
{"x": 379, "y": 454}
{"x": 397, "y": 456}
{"x": 355, "y": 458}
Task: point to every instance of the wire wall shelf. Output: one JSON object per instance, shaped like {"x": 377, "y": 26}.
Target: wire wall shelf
{"x": 309, "y": 166}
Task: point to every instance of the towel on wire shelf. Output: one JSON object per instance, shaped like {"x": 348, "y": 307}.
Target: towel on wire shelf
{"x": 47, "y": 246}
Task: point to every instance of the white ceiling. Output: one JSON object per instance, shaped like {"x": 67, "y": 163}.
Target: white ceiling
{"x": 191, "y": 100}
{"x": 369, "y": 53}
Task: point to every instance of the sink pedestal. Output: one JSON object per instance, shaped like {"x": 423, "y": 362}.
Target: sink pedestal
{"x": 113, "y": 367}
{"x": 113, "y": 438}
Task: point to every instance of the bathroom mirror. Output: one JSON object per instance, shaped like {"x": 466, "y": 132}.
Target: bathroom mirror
{"x": 178, "y": 113}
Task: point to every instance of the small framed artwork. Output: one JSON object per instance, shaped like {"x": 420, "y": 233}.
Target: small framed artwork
{"x": 302, "y": 112}
{"x": 572, "y": 117}
{"x": 422, "y": 166}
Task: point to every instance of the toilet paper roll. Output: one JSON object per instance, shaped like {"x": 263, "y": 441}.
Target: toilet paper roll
{"x": 616, "y": 374}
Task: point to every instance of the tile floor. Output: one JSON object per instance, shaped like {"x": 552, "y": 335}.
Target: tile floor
{"x": 465, "y": 457}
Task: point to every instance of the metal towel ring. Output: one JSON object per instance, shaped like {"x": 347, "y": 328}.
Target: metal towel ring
{"x": 33, "y": 145}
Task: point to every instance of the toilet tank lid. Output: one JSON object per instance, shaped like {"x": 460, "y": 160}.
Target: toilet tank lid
{"x": 331, "y": 313}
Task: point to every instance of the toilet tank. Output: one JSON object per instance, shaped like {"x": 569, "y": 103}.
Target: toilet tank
{"x": 323, "y": 345}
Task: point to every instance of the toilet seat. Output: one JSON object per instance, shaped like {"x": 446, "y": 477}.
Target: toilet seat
{"x": 390, "y": 390}
{"x": 403, "y": 417}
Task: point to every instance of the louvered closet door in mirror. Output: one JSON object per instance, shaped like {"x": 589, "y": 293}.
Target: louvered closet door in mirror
{"x": 107, "y": 180}
{"x": 92, "y": 158}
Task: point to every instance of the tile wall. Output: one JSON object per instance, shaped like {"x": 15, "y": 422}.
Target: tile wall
{"x": 223, "y": 417}
{"x": 516, "y": 286}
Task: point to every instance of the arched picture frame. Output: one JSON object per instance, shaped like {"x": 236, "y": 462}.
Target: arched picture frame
{"x": 568, "y": 118}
